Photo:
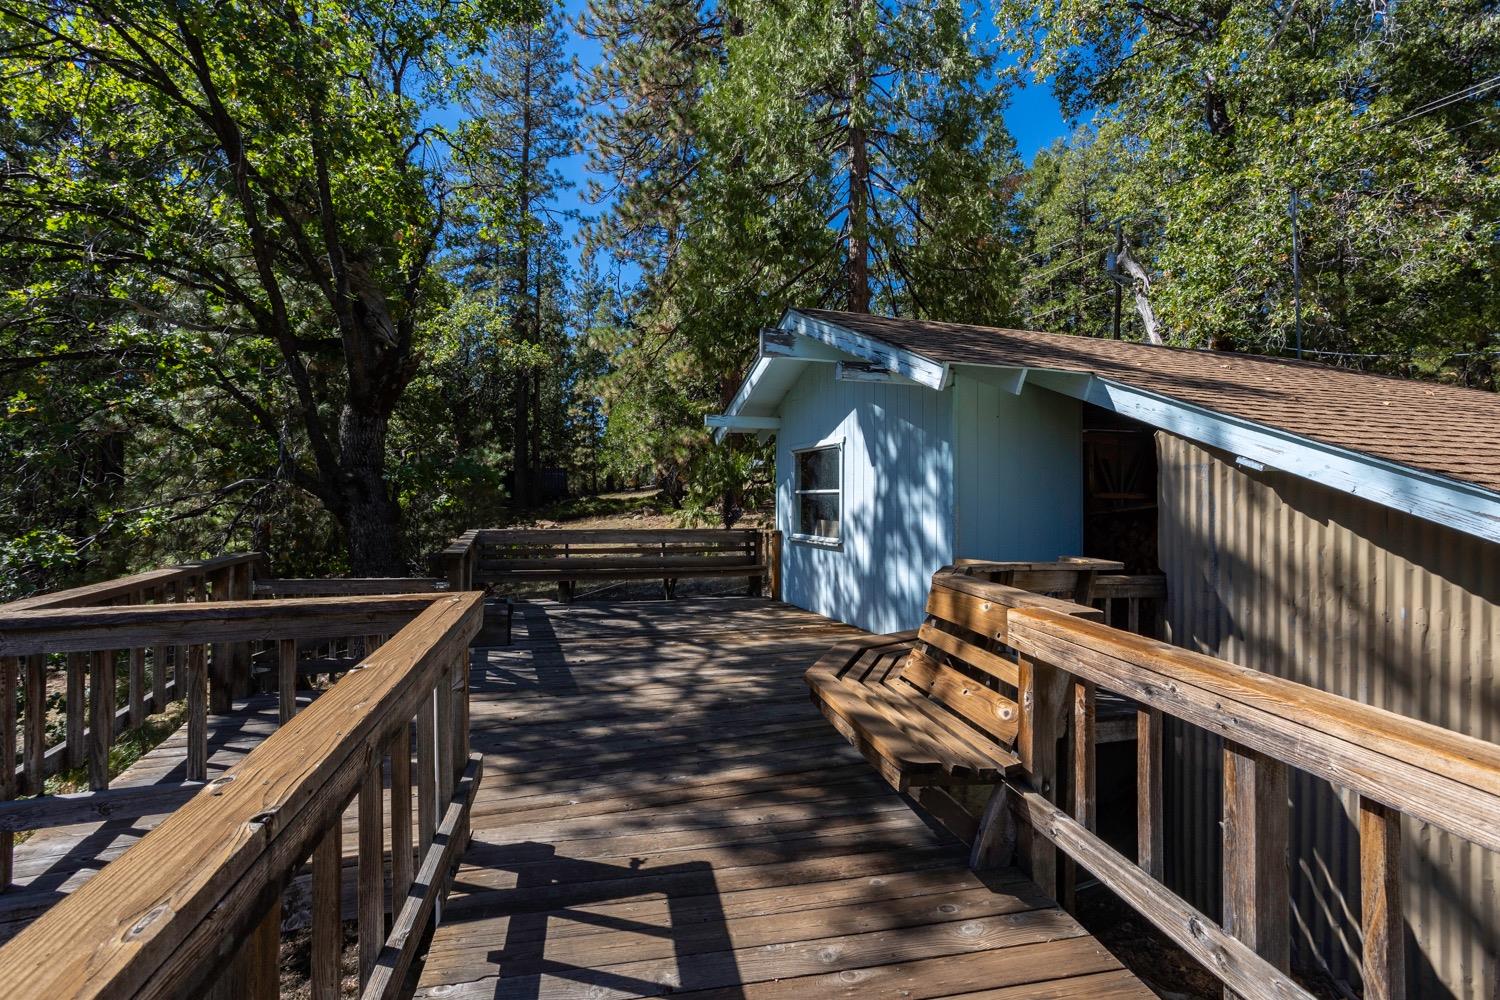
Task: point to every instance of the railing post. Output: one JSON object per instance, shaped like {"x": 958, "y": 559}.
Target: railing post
{"x": 327, "y": 920}
{"x": 1043, "y": 690}
{"x": 220, "y": 692}
{"x": 196, "y": 683}
{"x": 401, "y": 859}
{"x": 1084, "y": 737}
{"x": 36, "y": 724}
{"x": 427, "y": 760}
{"x": 773, "y": 563}
{"x": 159, "y": 662}
{"x": 254, "y": 973}
{"x": 1149, "y": 832}
{"x": 241, "y": 589}
{"x": 76, "y": 708}
{"x": 101, "y": 716}
{"x": 286, "y": 678}
{"x": 9, "y": 673}
{"x": 371, "y": 885}
{"x": 1384, "y": 962}
{"x": 1256, "y": 877}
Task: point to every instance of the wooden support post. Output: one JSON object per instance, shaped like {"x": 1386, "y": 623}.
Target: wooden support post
{"x": 371, "y": 886}
{"x": 460, "y": 714}
{"x": 1149, "y": 829}
{"x": 1384, "y": 963}
{"x": 240, "y": 679}
{"x": 196, "y": 683}
{"x": 159, "y": 662}
{"x": 401, "y": 858}
{"x": 427, "y": 755}
{"x": 773, "y": 563}
{"x": 995, "y": 843}
{"x": 220, "y": 691}
{"x": 327, "y": 921}
{"x": 101, "y": 716}
{"x": 36, "y": 725}
{"x": 1256, "y": 878}
{"x": 444, "y": 737}
{"x": 10, "y": 669}
{"x": 254, "y": 973}
{"x": 286, "y": 677}
{"x": 1043, "y": 690}
{"x": 76, "y": 709}
{"x": 137, "y": 689}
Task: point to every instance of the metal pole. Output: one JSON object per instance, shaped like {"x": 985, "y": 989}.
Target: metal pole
{"x": 1296, "y": 276}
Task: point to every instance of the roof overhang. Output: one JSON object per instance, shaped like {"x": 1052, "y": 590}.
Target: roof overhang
{"x": 799, "y": 340}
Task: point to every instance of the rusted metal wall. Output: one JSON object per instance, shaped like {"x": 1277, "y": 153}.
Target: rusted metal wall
{"x": 1283, "y": 575}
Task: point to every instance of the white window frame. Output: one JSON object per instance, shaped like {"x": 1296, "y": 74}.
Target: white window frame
{"x": 798, "y": 535}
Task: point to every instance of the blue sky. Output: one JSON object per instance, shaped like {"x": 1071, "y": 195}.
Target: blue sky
{"x": 1033, "y": 119}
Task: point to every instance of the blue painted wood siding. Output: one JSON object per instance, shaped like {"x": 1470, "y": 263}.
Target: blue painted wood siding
{"x": 897, "y": 498}
{"x": 1019, "y": 472}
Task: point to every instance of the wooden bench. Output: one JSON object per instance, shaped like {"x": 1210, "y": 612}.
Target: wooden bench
{"x": 936, "y": 707}
{"x": 571, "y": 556}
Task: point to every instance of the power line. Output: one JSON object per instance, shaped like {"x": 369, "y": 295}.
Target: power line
{"x": 1438, "y": 104}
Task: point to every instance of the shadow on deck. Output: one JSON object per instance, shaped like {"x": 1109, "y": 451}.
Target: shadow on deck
{"x": 664, "y": 812}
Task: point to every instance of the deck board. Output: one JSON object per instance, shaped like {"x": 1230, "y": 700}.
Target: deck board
{"x": 665, "y": 812}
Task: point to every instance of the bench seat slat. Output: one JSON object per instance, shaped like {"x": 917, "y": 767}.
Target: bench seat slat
{"x": 990, "y": 710}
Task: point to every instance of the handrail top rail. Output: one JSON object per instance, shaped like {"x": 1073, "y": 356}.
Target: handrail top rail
{"x": 70, "y": 629}
{"x": 1083, "y": 563}
{"x": 119, "y": 586}
{"x": 1014, "y": 598}
{"x": 644, "y": 536}
{"x": 183, "y": 886}
{"x": 1443, "y": 777}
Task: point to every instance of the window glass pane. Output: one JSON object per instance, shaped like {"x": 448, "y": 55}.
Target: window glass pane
{"x": 819, "y": 515}
{"x": 818, "y": 470}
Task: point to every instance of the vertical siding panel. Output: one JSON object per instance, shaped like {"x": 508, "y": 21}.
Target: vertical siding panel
{"x": 1286, "y": 576}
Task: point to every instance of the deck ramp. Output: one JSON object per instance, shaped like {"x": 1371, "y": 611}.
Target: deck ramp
{"x": 665, "y": 812}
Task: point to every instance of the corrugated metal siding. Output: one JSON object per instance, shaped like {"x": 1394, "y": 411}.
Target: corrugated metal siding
{"x": 1283, "y": 575}
{"x": 898, "y": 498}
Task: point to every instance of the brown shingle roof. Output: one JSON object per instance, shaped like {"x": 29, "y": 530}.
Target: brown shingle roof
{"x": 1442, "y": 429}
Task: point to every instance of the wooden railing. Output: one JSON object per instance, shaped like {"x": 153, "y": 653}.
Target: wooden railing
{"x": 1134, "y": 602}
{"x": 1393, "y": 764}
{"x": 197, "y": 902}
{"x": 197, "y": 633}
{"x": 569, "y": 556}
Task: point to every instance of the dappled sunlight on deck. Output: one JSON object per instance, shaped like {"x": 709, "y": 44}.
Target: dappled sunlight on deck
{"x": 664, "y": 811}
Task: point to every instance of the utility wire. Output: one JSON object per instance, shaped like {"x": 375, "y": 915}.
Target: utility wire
{"x": 1438, "y": 104}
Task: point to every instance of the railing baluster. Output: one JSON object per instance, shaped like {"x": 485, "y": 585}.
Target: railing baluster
{"x": 9, "y": 676}
{"x": 159, "y": 662}
{"x": 1149, "y": 830}
{"x": 76, "y": 708}
{"x": 197, "y": 713}
{"x": 1256, "y": 878}
{"x": 327, "y": 920}
{"x": 101, "y": 716}
{"x": 461, "y": 714}
{"x": 254, "y": 973}
{"x": 1384, "y": 963}
{"x": 1084, "y": 737}
{"x": 401, "y": 859}
{"x": 1042, "y": 690}
{"x": 426, "y": 771}
{"x": 286, "y": 677}
{"x": 445, "y": 737}
{"x": 137, "y": 687}
{"x": 36, "y": 724}
{"x": 371, "y": 884}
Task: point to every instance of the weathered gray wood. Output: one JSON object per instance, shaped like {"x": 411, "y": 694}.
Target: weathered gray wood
{"x": 1149, "y": 827}
{"x": 76, "y": 707}
{"x": 36, "y": 724}
{"x": 412, "y": 912}
{"x": 286, "y": 677}
{"x": 327, "y": 921}
{"x": 10, "y": 670}
{"x": 371, "y": 871}
{"x": 1257, "y": 900}
{"x": 136, "y": 691}
{"x": 95, "y": 594}
{"x": 445, "y": 733}
{"x": 1042, "y": 693}
{"x": 92, "y": 807}
{"x": 101, "y": 715}
{"x": 339, "y": 587}
{"x": 1383, "y": 965}
{"x": 427, "y": 763}
{"x": 1239, "y": 967}
{"x": 401, "y": 858}
{"x": 197, "y": 713}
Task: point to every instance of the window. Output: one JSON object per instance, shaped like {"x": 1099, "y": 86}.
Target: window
{"x": 819, "y": 482}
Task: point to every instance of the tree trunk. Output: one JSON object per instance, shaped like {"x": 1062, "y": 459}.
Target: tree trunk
{"x": 365, "y": 508}
{"x": 858, "y": 266}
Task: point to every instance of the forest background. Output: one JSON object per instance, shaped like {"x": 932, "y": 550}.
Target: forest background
{"x": 338, "y": 280}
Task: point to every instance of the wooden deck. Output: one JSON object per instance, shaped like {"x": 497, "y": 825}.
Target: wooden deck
{"x": 664, "y": 812}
